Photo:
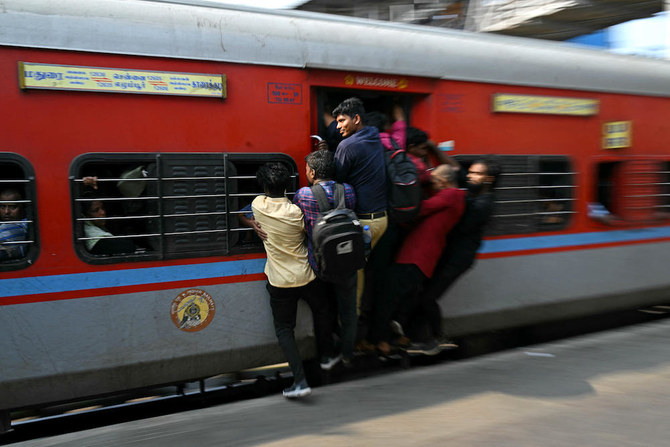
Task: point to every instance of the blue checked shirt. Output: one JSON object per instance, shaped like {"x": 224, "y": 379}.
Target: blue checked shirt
{"x": 310, "y": 208}
{"x": 12, "y": 232}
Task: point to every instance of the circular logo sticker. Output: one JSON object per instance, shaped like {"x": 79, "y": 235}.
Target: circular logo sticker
{"x": 192, "y": 310}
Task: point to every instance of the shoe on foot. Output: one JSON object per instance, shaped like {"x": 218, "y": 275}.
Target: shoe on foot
{"x": 396, "y": 327}
{"x": 384, "y": 348}
{"x": 446, "y": 343}
{"x": 401, "y": 341}
{"x": 297, "y": 390}
{"x": 430, "y": 347}
{"x": 327, "y": 363}
{"x": 365, "y": 347}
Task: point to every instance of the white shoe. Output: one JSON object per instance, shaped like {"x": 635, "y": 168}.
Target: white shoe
{"x": 327, "y": 363}
{"x": 297, "y": 390}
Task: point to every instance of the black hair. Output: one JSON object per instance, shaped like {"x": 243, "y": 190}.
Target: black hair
{"x": 274, "y": 178}
{"x": 350, "y": 107}
{"x": 91, "y": 197}
{"x": 493, "y": 167}
{"x": 415, "y": 136}
{"x": 323, "y": 163}
{"x": 378, "y": 120}
{"x": 13, "y": 191}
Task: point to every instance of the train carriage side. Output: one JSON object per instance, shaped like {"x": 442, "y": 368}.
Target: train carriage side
{"x": 548, "y": 256}
{"x": 189, "y": 300}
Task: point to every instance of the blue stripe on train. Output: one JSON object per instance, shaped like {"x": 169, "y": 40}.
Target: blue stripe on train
{"x": 194, "y": 272}
{"x": 573, "y": 240}
{"x": 131, "y": 277}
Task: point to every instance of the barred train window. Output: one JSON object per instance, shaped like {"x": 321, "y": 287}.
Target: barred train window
{"x": 18, "y": 224}
{"x": 629, "y": 191}
{"x": 535, "y": 193}
{"x": 130, "y": 207}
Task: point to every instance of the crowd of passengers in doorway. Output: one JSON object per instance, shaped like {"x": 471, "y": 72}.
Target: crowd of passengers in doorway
{"x": 392, "y": 303}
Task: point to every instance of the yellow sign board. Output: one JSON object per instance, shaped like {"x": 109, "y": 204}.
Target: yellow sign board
{"x": 550, "y": 105}
{"x": 617, "y": 134}
{"x": 93, "y": 79}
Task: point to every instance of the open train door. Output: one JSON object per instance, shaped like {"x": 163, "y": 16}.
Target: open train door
{"x": 327, "y": 99}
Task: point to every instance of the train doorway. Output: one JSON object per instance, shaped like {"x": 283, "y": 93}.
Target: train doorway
{"x": 374, "y": 101}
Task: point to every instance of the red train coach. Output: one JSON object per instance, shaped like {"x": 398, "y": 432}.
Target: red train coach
{"x": 172, "y": 106}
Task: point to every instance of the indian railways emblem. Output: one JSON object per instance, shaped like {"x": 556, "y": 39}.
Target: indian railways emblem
{"x": 192, "y": 310}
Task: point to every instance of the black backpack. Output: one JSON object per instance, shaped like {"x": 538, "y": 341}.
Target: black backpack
{"x": 337, "y": 237}
{"x": 404, "y": 188}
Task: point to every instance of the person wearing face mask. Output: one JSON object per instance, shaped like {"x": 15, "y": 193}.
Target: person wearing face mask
{"x": 462, "y": 245}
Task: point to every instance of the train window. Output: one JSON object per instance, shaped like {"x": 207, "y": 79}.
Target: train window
{"x": 630, "y": 191}
{"x": 663, "y": 205}
{"x": 159, "y": 206}
{"x": 18, "y": 223}
{"x": 533, "y": 194}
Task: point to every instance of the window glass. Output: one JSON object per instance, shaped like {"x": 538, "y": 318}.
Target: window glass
{"x": 160, "y": 206}
{"x": 18, "y": 238}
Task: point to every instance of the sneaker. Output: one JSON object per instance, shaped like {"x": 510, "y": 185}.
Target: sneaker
{"x": 397, "y": 328}
{"x": 384, "y": 348}
{"x": 431, "y": 347}
{"x": 401, "y": 341}
{"x": 327, "y": 363}
{"x": 297, "y": 390}
{"x": 365, "y": 347}
{"x": 446, "y": 343}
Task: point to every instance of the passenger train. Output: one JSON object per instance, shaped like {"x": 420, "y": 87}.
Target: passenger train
{"x": 172, "y": 106}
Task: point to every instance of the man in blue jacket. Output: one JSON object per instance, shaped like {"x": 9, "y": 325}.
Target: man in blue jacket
{"x": 359, "y": 161}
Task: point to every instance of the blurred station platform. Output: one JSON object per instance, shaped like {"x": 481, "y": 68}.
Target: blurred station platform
{"x": 606, "y": 389}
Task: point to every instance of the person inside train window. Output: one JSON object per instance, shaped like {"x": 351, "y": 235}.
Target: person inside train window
{"x": 320, "y": 169}
{"x": 13, "y": 225}
{"x": 420, "y": 252}
{"x": 134, "y": 182}
{"x": 359, "y": 161}
{"x": 552, "y": 209}
{"x": 460, "y": 250}
{"x": 289, "y": 274}
{"x": 99, "y": 241}
{"x": 246, "y": 219}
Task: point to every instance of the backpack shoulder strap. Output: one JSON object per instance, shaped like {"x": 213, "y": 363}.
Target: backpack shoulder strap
{"x": 394, "y": 143}
{"x": 321, "y": 198}
{"x": 338, "y": 196}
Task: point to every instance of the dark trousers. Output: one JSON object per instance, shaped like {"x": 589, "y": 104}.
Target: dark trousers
{"x": 345, "y": 298}
{"x": 376, "y": 305}
{"x": 284, "y": 303}
{"x": 405, "y": 285}
{"x": 428, "y": 308}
